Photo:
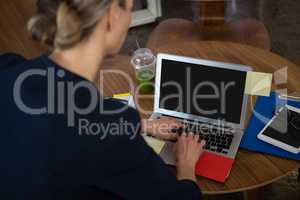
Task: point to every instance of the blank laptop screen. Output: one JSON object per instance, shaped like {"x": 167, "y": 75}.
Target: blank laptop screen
{"x": 209, "y": 92}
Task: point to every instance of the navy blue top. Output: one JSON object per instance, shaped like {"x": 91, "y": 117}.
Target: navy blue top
{"x": 50, "y": 150}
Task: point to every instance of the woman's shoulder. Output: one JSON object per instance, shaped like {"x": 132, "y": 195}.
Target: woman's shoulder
{"x": 10, "y": 59}
{"x": 119, "y": 109}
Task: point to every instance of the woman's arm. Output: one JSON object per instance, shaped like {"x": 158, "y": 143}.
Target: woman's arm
{"x": 143, "y": 175}
{"x": 124, "y": 165}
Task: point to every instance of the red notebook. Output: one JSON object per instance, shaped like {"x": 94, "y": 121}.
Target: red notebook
{"x": 214, "y": 167}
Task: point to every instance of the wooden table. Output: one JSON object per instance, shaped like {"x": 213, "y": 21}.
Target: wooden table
{"x": 251, "y": 170}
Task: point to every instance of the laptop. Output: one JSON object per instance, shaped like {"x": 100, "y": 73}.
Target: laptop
{"x": 209, "y": 98}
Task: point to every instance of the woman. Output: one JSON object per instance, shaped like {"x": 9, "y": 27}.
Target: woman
{"x": 48, "y": 150}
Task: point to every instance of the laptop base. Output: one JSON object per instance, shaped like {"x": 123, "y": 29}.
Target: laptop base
{"x": 214, "y": 166}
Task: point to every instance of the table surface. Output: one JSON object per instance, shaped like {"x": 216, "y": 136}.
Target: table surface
{"x": 251, "y": 170}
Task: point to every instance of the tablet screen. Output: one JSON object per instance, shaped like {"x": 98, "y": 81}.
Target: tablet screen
{"x": 284, "y": 128}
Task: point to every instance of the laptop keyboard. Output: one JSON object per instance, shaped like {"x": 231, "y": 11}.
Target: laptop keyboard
{"x": 217, "y": 140}
{"x": 219, "y": 143}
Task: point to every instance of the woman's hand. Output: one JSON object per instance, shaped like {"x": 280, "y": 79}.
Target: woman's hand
{"x": 188, "y": 150}
{"x": 163, "y": 128}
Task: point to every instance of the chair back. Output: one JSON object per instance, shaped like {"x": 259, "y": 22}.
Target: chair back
{"x": 212, "y": 12}
{"x": 14, "y": 36}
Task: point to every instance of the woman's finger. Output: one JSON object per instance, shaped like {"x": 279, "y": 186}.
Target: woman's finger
{"x": 183, "y": 135}
{"x": 197, "y": 138}
{"x": 172, "y": 122}
{"x": 169, "y": 136}
{"x": 201, "y": 145}
{"x": 190, "y": 136}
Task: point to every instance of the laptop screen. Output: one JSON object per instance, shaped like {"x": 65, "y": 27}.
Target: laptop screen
{"x": 205, "y": 91}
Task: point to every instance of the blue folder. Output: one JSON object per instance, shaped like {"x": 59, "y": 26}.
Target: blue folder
{"x": 264, "y": 110}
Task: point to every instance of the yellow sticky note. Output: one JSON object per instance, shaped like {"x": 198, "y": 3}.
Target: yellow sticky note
{"x": 121, "y": 95}
{"x": 155, "y": 144}
{"x": 258, "y": 83}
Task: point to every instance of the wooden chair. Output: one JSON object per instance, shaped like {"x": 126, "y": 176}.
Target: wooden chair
{"x": 14, "y": 36}
{"x": 211, "y": 26}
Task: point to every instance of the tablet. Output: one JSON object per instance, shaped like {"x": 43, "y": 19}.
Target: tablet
{"x": 283, "y": 130}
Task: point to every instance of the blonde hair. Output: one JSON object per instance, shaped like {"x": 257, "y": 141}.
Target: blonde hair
{"x": 63, "y": 23}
